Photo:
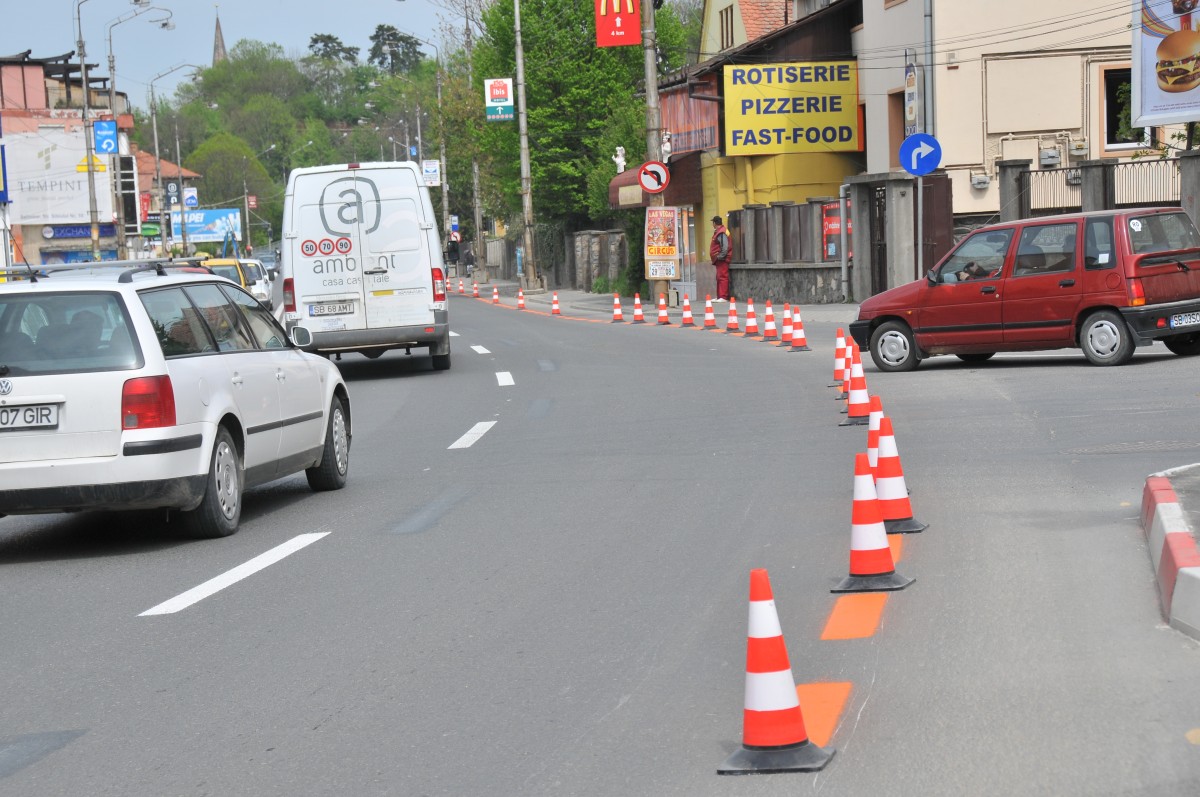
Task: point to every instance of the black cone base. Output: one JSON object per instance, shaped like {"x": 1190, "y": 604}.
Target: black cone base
{"x": 835, "y": 384}
{"x": 860, "y": 420}
{"x": 800, "y": 348}
{"x": 906, "y": 526}
{"x": 806, "y": 757}
{"x": 889, "y": 582}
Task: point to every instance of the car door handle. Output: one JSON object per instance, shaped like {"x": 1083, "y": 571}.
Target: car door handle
{"x": 237, "y": 379}
{"x": 281, "y": 376}
{"x": 1065, "y": 283}
{"x": 988, "y": 289}
{"x": 376, "y": 271}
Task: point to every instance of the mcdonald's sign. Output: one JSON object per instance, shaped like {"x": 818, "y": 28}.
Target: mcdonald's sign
{"x": 618, "y": 22}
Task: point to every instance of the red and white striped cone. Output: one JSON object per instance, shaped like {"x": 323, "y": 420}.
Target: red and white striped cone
{"x": 663, "y": 318}
{"x": 785, "y": 338}
{"x": 891, "y": 489}
{"x": 774, "y": 738}
{"x": 495, "y": 294}
{"x": 638, "y": 318}
{"x": 843, "y": 389}
{"x": 872, "y": 568}
{"x": 618, "y": 316}
{"x": 751, "y": 321}
{"x": 876, "y": 415}
{"x": 710, "y": 320}
{"x": 520, "y": 299}
{"x": 687, "y": 320}
{"x": 475, "y": 289}
{"x": 799, "y": 341}
{"x": 462, "y": 288}
{"x": 839, "y": 352}
{"x": 770, "y": 331}
{"x": 858, "y": 404}
{"x": 731, "y": 324}
{"x": 554, "y": 305}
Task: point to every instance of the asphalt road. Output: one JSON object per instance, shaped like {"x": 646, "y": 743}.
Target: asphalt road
{"x": 556, "y": 603}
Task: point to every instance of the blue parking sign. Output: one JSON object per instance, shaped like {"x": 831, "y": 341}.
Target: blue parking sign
{"x": 104, "y": 137}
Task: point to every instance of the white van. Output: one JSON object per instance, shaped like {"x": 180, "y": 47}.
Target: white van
{"x": 362, "y": 262}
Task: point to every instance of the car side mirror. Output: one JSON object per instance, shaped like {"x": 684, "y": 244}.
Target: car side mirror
{"x": 301, "y": 337}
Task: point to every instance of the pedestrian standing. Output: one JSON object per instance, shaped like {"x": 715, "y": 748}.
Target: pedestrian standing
{"x": 720, "y": 252}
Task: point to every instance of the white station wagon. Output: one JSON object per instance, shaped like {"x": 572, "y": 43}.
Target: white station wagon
{"x": 135, "y": 386}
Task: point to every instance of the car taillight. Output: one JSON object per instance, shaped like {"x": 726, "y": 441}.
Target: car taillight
{"x": 289, "y": 295}
{"x": 439, "y": 285}
{"x": 1137, "y": 296}
{"x": 147, "y": 402}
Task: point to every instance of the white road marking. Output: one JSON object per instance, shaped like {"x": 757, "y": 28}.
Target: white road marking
{"x": 471, "y": 437}
{"x": 480, "y": 350}
{"x": 504, "y": 379}
{"x": 453, "y": 334}
{"x": 230, "y": 577}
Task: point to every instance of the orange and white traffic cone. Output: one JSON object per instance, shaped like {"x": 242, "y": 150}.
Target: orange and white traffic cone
{"x": 638, "y": 318}
{"x": 475, "y": 289}
{"x": 731, "y": 324}
{"x": 770, "y": 331}
{"x": 554, "y": 305}
{"x": 618, "y": 316}
{"x": 891, "y": 489}
{"x": 687, "y": 320}
{"x": 710, "y": 320}
{"x": 872, "y": 568}
{"x": 520, "y": 299}
{"x": 785, "y": 339}
{"x": 858, "y": 404}
{"x": 774, "y": 738}
{"x": 751, "y": 321}
{"x": 462, "y": 288}
{"x": 799, "y": 341}
{"x": 495, "y": 294}
{"x": 843, "y": 389}
{"x": 663, "y": 318}
{"x": 839, "y": 353}
{"x": 876, "y": 415}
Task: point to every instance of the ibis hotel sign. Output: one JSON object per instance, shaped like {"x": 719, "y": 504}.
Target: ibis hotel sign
{"x": 498, "y": 99}
{"x": 802, "y": 107}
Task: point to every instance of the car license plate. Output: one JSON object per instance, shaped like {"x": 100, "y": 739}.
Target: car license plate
{"x": 336, "y": 308}
{"x": 32, "y": 416}
{"x": 1185, "y": 320}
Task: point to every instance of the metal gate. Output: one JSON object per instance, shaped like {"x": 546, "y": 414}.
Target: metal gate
{"x": 879, "y": 258}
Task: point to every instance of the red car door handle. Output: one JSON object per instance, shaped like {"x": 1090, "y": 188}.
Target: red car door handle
{"x": 1065, "y": 283}
{"x": 988, "y": 289}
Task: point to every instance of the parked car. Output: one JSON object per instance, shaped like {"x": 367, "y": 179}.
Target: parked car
{"x": 134, "y": 386}
{"x": 1102, "y": 282}
{"x": 241, "y": 272}
{"x": 261, "y": 286}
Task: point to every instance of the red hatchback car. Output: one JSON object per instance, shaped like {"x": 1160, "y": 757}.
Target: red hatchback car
{"x": 1103, "y": 282}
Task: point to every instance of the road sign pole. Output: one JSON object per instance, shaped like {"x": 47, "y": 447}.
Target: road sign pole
{"x": 920, "y": 226}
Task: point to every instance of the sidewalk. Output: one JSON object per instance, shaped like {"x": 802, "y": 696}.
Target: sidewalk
{"x": 1170, "y": 513}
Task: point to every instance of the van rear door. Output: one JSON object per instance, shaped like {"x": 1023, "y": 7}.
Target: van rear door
{"x": 325, "y": 265}
{"x": 392, "y": 238}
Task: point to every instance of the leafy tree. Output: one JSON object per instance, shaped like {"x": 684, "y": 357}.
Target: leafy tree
{"x": 393, "y": 51}
{"x": 230, "y": 170}
{"x": 328, "y": 47}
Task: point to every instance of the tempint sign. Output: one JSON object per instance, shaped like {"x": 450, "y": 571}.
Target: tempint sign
{"x": 618, "y": 22}
{"x": 800, "y": 107}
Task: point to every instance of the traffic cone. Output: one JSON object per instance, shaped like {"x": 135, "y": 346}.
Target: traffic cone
{"x": 785, "y": 339}
{"x": 799, "y": 341}
{"x": 773, "y": 735}
{"x": 475, "y": 289}
{"x": 770, "y": 331}
{"x": 858, "y": 405}
{"x": 839, "y": 352}
{"x": 520, "y": 299}
{"x": 687, "y": 320}
{"x": 618, "y": 316}
{"x": 751, "y": 321}
{"x": 889, "y": 482}
{"x": 554, "y": 305}
{"x": 873, "y": 419}
{"x": 495, "y": 294}
{"x": 731, "y": 325}
{"x": 462, "y": 288}
{"x": 663, "y": 318}
{"x": 843, "y": 389}
{"x": 872, "y": 568}
{"x": 638, "y": 318}
{"x": 710, "y": 320}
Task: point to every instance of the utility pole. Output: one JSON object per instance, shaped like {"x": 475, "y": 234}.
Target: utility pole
{"x": 182, "y": 208}
{"x": 93, "y": 214}
{"x": 529, "y": 275}
{"x": 653, "y": 116}
{"x": 478, "y": 250}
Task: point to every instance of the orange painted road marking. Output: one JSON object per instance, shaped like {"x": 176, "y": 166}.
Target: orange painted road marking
{"x": 822, "y": 706}
{"x": 855, "y": 616}
{"x": 896, "y": 543}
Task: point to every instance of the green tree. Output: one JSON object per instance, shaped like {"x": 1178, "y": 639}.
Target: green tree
{"x": 328, "y": 47}
{"x": 230, "y": 170}
{"x": 392, "y": 51}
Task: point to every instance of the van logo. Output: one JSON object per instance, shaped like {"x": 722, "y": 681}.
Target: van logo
{"x": 5, "y": 387}
{"x": 343, "y": 206}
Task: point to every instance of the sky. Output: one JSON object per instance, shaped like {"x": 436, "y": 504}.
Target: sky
{"x": 142, "y": 50}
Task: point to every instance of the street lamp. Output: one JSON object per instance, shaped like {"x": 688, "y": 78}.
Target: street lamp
{"x": 246, "y": 191}
{"x": 288, "y": 160}
{"x": 164, "y": 210}
{"x": 87, "y": 138}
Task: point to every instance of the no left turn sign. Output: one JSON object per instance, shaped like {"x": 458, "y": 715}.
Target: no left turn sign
{"x": 653, "y": 177}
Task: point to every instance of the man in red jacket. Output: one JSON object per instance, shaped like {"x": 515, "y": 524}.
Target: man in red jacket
{"x": 720, "y": 252}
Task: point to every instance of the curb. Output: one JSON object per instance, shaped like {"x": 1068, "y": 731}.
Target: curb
{"x": 1173, "y": 552}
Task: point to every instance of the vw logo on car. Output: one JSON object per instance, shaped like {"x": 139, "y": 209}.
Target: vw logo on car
{"x": 5, "y": 387}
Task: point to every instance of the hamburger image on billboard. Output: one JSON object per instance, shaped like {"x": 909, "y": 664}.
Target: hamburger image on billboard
{"x": 1166, "y": 62}
{"x": 1178, "y": 67}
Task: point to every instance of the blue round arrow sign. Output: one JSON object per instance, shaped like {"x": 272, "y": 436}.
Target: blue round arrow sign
{"x": 920, "y": 154}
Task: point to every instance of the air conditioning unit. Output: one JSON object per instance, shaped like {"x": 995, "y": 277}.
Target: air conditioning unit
{"x": 980, "y": 181}
{"x": 1049, "y": 158}
{"x": 1079, "y": 149}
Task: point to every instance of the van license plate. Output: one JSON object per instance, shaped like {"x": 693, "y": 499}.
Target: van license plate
{"x": 33, "y": 416}
{"x": 1185, "y": 320}
{"x": 338, "y": 308}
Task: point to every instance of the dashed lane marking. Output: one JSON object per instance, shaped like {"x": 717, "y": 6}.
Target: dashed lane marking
{"x": 504, "y": 379}
{"x": 471, "y": 437}
{"x": 480, "y": 350}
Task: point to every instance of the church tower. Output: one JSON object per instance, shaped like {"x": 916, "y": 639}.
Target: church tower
{"x": 219, "y": 53}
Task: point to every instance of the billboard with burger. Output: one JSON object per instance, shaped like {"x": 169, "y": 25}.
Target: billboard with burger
{"x": 1166, "y": 62}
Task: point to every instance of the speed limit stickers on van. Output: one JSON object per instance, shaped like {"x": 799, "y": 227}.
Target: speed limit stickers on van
{"x": 308, "y": 248}
{"x": 325, "y": 246}
{"x": 343, "y": 245}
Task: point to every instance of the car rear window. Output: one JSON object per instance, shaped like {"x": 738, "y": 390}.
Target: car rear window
{"x": 1161, "y": 232}
{"x": 69, "y": 332}
{"x": 228, "y": 272}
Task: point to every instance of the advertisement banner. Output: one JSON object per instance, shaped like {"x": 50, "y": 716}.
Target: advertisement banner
{"x": 662, "y": 243}
{"x": 618, "y": 22}
{"x": 831, "y": 230}
{"x": 431, "y": 172}
{"x": 498, "y": 99}
{"x": 1166, "y": 62}
{"x": 208, "y": 226}
{"x": 797, "y": 107}
{"x": 48, "y": 182}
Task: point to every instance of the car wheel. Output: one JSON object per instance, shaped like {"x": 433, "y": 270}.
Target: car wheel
{"x": 893, "y": 347}
{"x": 1105, "y": 339}
{"x": 221, "y": 508}
{"x": 335, "y": 456}
{"x": 976, "y": 358}
{"x": 1184, "y": 345}
{"x": 441, "y": 362}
